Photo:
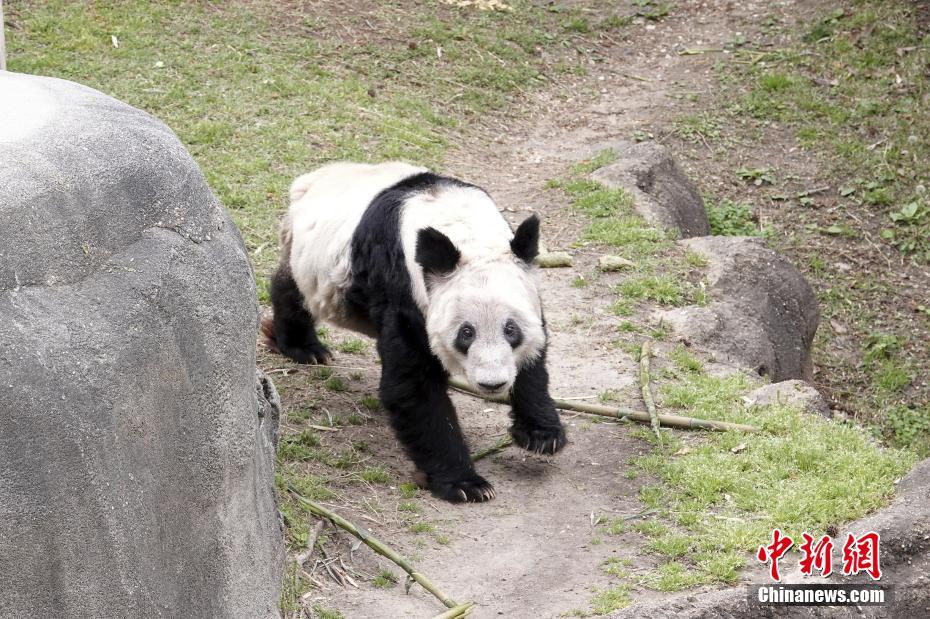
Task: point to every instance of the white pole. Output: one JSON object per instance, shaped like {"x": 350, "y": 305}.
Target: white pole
{"x": 2, "y": 41}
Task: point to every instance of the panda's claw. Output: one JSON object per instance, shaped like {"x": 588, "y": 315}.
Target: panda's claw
{"x": 543, "y": 441}
{"x": 471, "y": 489}
{"x": 314, "y": 354}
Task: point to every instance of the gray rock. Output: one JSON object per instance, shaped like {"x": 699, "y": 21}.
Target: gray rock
{"x": 762, "y": 312}
{"x": 662, "y": 193}
{"x": 137, "y": 451}
{"x": 904, "y": 528}
{"x": 614, "y": 263}
{"x": 793, "y": 392}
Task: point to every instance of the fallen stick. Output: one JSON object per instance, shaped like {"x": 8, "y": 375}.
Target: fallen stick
{"x": 487, "y": 451}
{"x": 375, "y": 544}
{"x": 459, "y": 611}
{"x": 311, "y": 542}
{"x": 669, "y": 421}
{"x": 645, "y": 353}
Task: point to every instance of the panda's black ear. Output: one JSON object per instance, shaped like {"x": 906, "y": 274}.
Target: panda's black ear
{"x": 436, "y": 253}
{"x": 525, "y": 243}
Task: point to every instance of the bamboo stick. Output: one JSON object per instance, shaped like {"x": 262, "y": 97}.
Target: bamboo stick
{"x": 375, "y": 544}
{"x": 487, "y": 451}
{"x": 455, "y": 613}
{"x": 669, "y": 421}
{"x": 645, "y": 353}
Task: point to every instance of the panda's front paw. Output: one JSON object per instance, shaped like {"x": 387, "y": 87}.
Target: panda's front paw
{"x": 472, "y": 488}
{"x": 315, "y": 354}
{"x": 548, "y": 440}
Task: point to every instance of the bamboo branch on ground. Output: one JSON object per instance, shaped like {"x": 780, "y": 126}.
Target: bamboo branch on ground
{"x": 375, "y": 544}
{"x": 644, "y": 355}
{"x": 487, "y": 451}
{"x": 669, "y": 421}
{"x": 455, "y": 613}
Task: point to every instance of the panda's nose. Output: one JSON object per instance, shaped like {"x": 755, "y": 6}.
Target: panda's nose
{"x": 492, "y": 386}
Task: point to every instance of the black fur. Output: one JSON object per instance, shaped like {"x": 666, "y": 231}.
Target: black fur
{"x": 294, "y": 331}
{"x": 536, "y": 425}
{"x": 436, "y": 253}
{"x": 525, "y": 243}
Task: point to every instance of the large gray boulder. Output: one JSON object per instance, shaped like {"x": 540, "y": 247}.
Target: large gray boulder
{"x": 662, "y": 193}
{"x": 762, "y": 312}
{"x": 137, "y": 442}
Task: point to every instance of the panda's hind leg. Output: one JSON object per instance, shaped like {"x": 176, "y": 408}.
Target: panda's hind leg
{"x": 292, "y": 330}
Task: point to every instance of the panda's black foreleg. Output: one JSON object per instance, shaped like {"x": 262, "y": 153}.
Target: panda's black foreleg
{"x": 293, "y": 333}
{"x": 536, "y": 424}
{"x": 414, "y": 392}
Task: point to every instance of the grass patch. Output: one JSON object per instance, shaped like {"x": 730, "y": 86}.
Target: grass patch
{"x": 422, "y": 527}
{"x": 587, "y": 166}
{"x": 663, "y": 289}
{"x": 729, "y": 218}
{"x": 336, "y": 383}
{"x": 801, "y": 473}
{"x": 376, "y": 475}
{"x": 854, "y": 79}
{"x": 353, "y": 346}
{"x": 384, "y": 579}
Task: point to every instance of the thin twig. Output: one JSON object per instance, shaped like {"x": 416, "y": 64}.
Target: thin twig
{"x": 669, "y": 421}
{"x": 314, "y": 533}
{"x": 487, "y": 451}
{"x": 644, "y": 356}
{"x": 375, "y": 544}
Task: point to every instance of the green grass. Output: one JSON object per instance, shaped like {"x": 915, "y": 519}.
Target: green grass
{"x": 354, "y": 346}
{"x": 697, "y": 128}
{"x": 598, "y": 161}
{"x": 408, "y": 490}
{"x": 376, "y": 475}
{"x": 384, "y": 579}
{"x": 801, "y": 473}
{"x": 371, "y": 403}
{"x": 729, "y": 218}
{"x": 854, "y": 87}
{"x": 336, "y": 383}
{"x": 422, "y": 527}
{"x": 663, "y": 289}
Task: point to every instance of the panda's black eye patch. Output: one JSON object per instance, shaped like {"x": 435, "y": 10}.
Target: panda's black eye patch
{"x": 512, "y": 333}
{"x": 464, "y": 338}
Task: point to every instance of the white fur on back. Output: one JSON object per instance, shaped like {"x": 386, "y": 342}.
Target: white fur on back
{"x": 326, "y": 207}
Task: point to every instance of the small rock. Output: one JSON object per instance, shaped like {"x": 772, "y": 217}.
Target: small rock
{"x": 554, "y": 260}
{"x": 793, "y": 392}
{"x": 614, "y": 263}
{"x": 661, "y": 191}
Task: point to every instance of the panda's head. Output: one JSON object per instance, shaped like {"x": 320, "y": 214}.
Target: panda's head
{"x": 484, "y": 318}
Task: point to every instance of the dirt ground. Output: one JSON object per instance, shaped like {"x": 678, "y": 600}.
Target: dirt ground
{"x": 530, "y": 552}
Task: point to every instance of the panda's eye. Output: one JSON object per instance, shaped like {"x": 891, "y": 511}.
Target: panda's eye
{"x": 512, "y": 333}
{"x": 464, "y": 337}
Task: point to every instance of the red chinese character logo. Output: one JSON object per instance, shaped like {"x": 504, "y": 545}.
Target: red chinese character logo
{"x": 774, "y": 551}
{"x": 817, "y": 556}
{"x": 861, "y": 555}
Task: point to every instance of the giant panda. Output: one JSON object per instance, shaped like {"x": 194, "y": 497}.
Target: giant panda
{"x": 427, "y": 265}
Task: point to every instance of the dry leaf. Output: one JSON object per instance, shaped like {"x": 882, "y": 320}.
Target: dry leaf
{"x": 739, "y": 448}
